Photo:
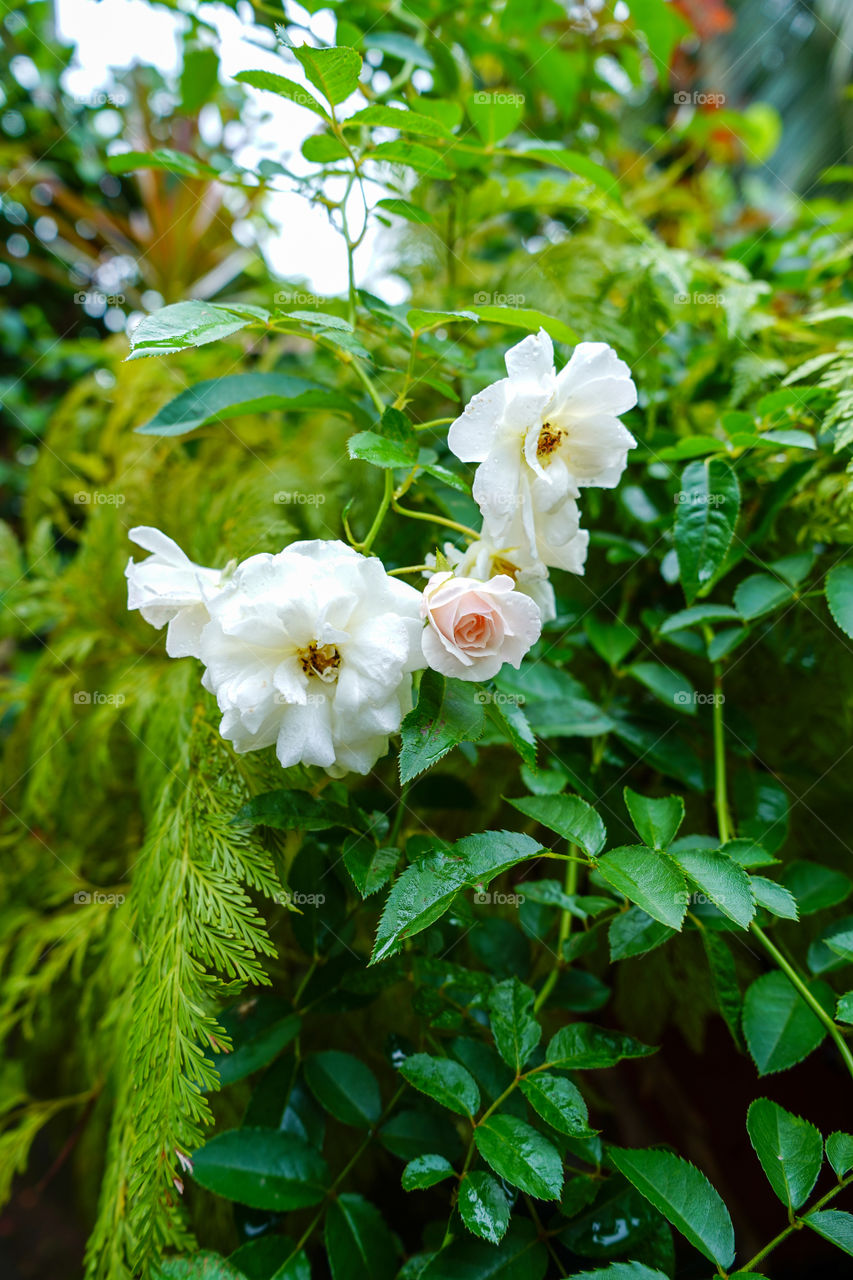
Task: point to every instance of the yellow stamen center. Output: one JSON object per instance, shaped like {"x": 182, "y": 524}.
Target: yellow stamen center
{"x": 321, "y": 660}
{"x": 549, "y": 441}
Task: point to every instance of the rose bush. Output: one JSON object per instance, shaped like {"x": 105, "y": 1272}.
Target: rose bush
{"x": 448, "y": 893}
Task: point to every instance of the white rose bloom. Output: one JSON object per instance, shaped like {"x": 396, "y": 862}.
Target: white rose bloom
{"x": 312, "y": 650}
{"x": 168, "y": 588}
{"x": 483, "y": 560}
{"x": 539, "y": 436}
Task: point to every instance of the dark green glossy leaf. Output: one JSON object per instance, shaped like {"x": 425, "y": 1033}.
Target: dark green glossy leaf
{"x": 648, "y": 879}
{"x": 634, "y": 932}
{"x": 345, "y": 1086}
{"x": 580, "y": 1046}
{"x": 721, "y": 880}
{"x": 483, "y": 1206}
{"x": 521, "y": 1156}
{"x": 426, "y": 1171}
{"x": 779, "y": 1027}
{"x": 219, "y": 399}
{"x": 705, "y": 522}
{"x": 262, "y": 1168}
{"x": 287, "y": 810}
{"x": 448, "y": 712}
{"x": 515, "y": 1029}
{"x": 358, "y": 1243}
{"x": 426, "y": 889}
{"x": 774, "y": 897}
{"x": 839, "y": 596}
{"x": 444, "y": 1080}
{"x": 685, "y": 1197}
{"x": 521, "y": 1256}
{"x": 557, "y": 1101}
{"x": 835, "y": 1225}
{"x": 657, "y": 819}
{"x": 789, "y": 1148}
{"x": 815, "y": 887}
{"x": 839, "y": 1152}
{"x": 571, "y": 817}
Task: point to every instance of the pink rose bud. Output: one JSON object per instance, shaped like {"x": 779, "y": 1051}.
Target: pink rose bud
{"x": 473, "y": 627}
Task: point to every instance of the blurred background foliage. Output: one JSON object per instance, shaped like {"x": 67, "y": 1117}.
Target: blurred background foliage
{"x": 707, "y": 229}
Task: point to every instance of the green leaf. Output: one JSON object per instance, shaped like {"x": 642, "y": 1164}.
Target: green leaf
{"x": 760, "y": 593}
{"x": 287, "y": 810}
{"x": 634, "y": 932}
{"x": 577, "y": 163}
{"x": 816, "y": 887}
{"x": 774, "y": 897}
{"x": 448, "y": 712}
{"x": 705, "y": 522}
{"x": 684, "y": 1196}
{"x": 621, "y": 1271}
{"x": 324, "y": 148}
{"x": 516, "y": 1031}
{"x": 748, "y": 854}
{"x": 789, "y": 1148}
{"x": 405, "y": 209}
{"x": 426, "y": 1171}
{"x": 779, "y": 1027}
{"x": 369, "y": 446}
{"x": 178, "y": 162}
{"x": 414, "y": 154}
{"x": 358, "y": 1242}
{"x": 265, "y": 1258}
{"x": 580, "y": 1046}
{"x": 204, "y": 1265}
{"x": 183, "y": 325}
{"x": 700, "y": 615}
{"x": 725, "y": 983}
{"x": 413, "y": 122}
{"x": 844, "y": 1008}
{"x": 650, "y": 880}
{"x": 257, "y": 1040}
{"x": 345, "y": 1086}
{"x": 657, "y": 819}
{"x": 571, "y": 817}
{"x": 421, "y": 321}
{"x": 334, "y": 72}
{"x": 515, "y": 726}
{"x": 494, "y": 115}
{"x": 835, "y": 1225}
{"x": 285, "y": 88}
{"x": 521, "y": 1156}
{"x": 483, "y": 1206}
{"x": 532, "y": 321}
{"x": 426, "y": 889}
{"x": 369, "y": 867}
{"x": 400, "y": 46}
{"x": 218, "y": 399}
{"x": 722, "y": 880}
{"x": 521, "y": 1256}
{"x": 263, "y": 1168}
{"x": 839, "y": 596}
{"x": 612, "y": 641}
{"x": 665, "y": 683}
{"x": 559, "y": 1102}
{"x": 839, "y": 1152}
{"x": 444, "y": 1080}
